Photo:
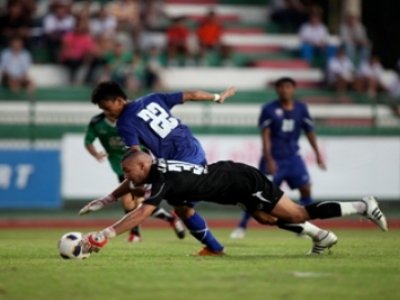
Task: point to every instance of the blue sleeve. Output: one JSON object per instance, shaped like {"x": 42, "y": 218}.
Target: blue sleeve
{"x": 171, "y": 99}
{"x": 128, "y": 134}
{"x": 265, "y": 119}
{"x": 307, "y": 122}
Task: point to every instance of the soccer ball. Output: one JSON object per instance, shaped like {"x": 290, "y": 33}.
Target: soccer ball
{"x": 70, "y": 246}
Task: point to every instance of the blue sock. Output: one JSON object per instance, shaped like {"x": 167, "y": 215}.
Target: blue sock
{"x": 306, "y": 201}
{"x": 198, "y": 228}
{"x": 244, "y": 220}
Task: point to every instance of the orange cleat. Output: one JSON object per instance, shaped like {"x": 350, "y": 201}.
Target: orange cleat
{"x": 207, "y": 252}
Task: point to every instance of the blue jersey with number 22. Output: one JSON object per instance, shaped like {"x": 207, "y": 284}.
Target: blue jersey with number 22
{"x": 149, "y": 122}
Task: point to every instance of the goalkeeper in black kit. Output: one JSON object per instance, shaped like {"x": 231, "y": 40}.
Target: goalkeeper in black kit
{"x": 226, "y": 183}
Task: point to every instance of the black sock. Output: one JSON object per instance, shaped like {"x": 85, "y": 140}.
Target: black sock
{"x": 296, "y": 228}
{"x": 324, "y": 210}
{"x": 162, "y": 214}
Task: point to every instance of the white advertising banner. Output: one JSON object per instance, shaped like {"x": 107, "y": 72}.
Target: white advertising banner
{"x": 356, "y": 166}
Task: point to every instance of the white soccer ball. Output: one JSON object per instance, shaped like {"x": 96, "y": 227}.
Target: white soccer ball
{"x": 70, "y": 246}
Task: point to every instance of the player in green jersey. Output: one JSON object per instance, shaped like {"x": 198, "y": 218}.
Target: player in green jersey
{"x": 102, "y": 127}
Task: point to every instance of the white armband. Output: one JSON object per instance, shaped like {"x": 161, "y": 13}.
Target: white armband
{"x": 217, "y": 97}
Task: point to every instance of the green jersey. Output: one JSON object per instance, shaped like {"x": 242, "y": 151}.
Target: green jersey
{"x": 106, "y": 131}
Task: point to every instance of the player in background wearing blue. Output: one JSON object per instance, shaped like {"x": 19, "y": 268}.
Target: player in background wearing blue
{"x": 281, "y": 123}
{"x": 148, "y": 121}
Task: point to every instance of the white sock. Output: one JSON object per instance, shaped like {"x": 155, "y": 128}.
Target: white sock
{"x": 352, "y": 208}
{"x": 313, "y": 231}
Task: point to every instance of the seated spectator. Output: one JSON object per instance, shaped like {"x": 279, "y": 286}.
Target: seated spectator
{"x": 154, "y": 17}
{"x": 102, "y": 23}
{"x": 56, "y": 25}
{"x": 127, "y": 15}
{"x": 15, "y": 22}
{"x": 209, "y": 34}
{"x": 340, "y": 71}
{"x": 125, "y": 68}
{"x": 177, "y": 42}
{"x": 152, "y": 78}
{"x": 370, "y": 77}
{"x": 354, "y": 38}
{"x": 288, "y": 14}
{"x": 314, "y": 39}
{"x": 15, "y": 63}
{"x": 79, "y": 49}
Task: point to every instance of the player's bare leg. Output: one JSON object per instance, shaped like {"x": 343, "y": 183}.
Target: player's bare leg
{"x": 130, "y": 203}
{"x": 305, "y": 195}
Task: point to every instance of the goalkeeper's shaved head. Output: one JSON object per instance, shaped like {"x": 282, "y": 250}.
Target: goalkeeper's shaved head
{"x": 136, "y": 166}
{"x": 135, "y": 156}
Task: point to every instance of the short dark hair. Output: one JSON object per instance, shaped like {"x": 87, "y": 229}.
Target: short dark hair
{"x": 107, "y": 91}
{"x": 283, "y": 80}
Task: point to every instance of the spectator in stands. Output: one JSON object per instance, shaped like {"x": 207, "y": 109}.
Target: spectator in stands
{"x": 127, "y": 15}
{"x": 177, "y": 42}
{"x": 126, "y": 68}
{"x": 314, "y": 38}
{"x": 288, "y": 14}
{"x": 354, "y": 38}
{"x": 153, "y": 15}
{"x": 102, "y": 23}
{"x": 370, "y": 77}
{"x": 340, "y": 71}
{"x": 79, "y": 49}
{"x": 152, "y": 78}
{"x": 56, "y": 25}
{"x": 15, "y": 22}
{"x": 209, "y": 34}
{"x": 15, "y": 63}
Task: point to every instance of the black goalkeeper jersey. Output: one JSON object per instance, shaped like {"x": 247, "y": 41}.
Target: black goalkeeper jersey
{"x": 224, "y": 182}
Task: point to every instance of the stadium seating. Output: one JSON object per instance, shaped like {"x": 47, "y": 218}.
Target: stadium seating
{"x": 260, "y": 56}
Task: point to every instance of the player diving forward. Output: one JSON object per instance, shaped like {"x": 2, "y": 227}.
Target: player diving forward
{"x": 102, "y": 126}
{"x": 148, "y": 121}
{"x": 226, "y": 183}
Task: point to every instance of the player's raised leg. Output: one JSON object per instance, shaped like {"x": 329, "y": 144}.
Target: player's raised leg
{"x": 287, "y": 210}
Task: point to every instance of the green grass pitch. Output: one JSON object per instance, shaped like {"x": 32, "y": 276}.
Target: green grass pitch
{"x": 268, "y": 264}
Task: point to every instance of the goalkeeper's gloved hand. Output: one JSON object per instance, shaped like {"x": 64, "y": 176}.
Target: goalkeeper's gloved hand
{"x": 97, "y": 204}
{"x": 95, "y": 241}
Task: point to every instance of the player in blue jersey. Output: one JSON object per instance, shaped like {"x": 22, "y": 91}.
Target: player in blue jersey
{"x": 281, "y": 123}
{"x": 148, "y": 121}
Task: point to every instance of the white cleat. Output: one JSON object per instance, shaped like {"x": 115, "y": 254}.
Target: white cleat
{"x": 238, "y": 233}
{"x": 326, "y": 242}
{"x": 374, "y": 213}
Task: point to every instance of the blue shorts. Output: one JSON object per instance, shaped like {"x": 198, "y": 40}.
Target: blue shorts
{"x": 292, "y": 170}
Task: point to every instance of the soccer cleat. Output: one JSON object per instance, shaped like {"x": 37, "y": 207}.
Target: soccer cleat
{"x": 326, "y": 242}
{"x": 374, "y": 213}
{"x": 208, "y": 252}
{"x": 134, "y": 238}
{"x": 238, "y": 233}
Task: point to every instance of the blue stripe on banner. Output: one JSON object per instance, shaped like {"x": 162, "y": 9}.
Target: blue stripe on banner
{"x": 30, "y": 179}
